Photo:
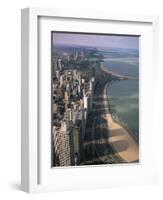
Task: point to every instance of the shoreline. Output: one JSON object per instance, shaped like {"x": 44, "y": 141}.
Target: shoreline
{"x": 120, "y": 139}
{"x": 136, "y": 138}
{"x": 120, "y": 122}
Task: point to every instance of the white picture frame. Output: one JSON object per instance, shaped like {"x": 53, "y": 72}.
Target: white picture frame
{"x": 36, "y": 174}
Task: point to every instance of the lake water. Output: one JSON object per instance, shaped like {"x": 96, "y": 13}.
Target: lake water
{"x": 124, "y": 95}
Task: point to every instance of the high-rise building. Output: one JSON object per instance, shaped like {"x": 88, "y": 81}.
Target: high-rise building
{"x": 61, "y": 80}
{"x": 55, "y": 108}
{"x": 62, "y": 145}
{"x": 77, "y": 130}
{"x": 69, "y": 114}
{"x": 66, "y": 96}
{"x": 85, "y": 101}
{"x": 79, "y": 79}
{"x": 59, "y": 65}
{"x": 57, "y": 74}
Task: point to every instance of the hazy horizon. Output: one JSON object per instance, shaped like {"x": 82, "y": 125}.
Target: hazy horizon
{"x": 93, "y": 40}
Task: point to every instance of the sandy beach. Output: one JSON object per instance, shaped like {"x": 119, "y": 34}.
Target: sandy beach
{"x": 120, "y": 140}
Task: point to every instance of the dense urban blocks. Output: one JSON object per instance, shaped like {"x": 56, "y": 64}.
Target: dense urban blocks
{"x": 72, "y": 102}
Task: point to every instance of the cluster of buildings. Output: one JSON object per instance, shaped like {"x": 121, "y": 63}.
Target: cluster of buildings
{"x": 72, "y": 101}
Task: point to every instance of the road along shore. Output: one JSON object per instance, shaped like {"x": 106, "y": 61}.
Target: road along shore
{"x": 120, "y": 139}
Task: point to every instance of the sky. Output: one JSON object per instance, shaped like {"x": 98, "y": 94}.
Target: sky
{"x": 117, "y": 41}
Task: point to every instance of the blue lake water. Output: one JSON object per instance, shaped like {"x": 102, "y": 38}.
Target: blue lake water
{"x": 124, "y": 95}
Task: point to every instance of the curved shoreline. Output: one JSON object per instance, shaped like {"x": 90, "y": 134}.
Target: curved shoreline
{"x": 126, "y": 128}
{"x": 119, "y": 138}
{"x": 120, "y": 122}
